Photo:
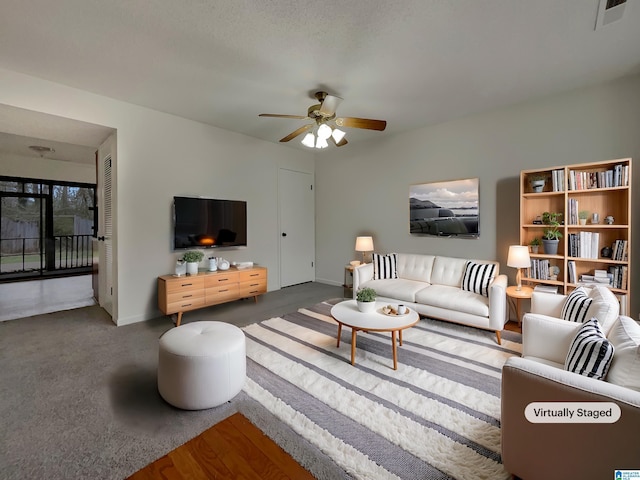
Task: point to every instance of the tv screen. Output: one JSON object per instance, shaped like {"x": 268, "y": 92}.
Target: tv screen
{"x": 208, "y": 223}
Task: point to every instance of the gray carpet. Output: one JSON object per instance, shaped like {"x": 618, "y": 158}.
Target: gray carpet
{"x": 79, "y": 396}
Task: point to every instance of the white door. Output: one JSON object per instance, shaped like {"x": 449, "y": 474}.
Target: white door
{"x": 297, "y": 227}
{"x": 106, "y": 170}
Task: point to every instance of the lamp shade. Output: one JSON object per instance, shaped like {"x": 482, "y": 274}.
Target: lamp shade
{"x": 518, "y": 256}
{"x": 364, "y": 244}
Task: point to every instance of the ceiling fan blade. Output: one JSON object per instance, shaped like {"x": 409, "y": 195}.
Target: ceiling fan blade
{"x": 277, "y": 115}
{"x": 329, "y": 105}
{"x": 367, "y": 123}
{"x": 340, "y": 143}
{"x": 297, "y": 132}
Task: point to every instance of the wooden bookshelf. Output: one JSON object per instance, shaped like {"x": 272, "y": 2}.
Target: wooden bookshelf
{"x": 600, "y": 187}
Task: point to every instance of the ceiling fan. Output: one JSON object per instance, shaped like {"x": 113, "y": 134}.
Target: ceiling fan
{"x": 324, "y": 115}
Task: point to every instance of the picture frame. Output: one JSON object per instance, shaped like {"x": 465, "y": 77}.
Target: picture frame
{"x": 448, "y": 209}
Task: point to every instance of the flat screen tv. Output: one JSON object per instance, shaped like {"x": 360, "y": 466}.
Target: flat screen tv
{"x": 209, "y": 223}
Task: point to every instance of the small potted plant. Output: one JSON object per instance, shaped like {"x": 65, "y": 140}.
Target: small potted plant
{"x": 366, "y": 299}
{"x": 535, "y": 245}
{"x": 193, "y": 258}
{"x": 537, "y": 182}
{"x": 552, "y": 233}
{"x": 582, "y": 216}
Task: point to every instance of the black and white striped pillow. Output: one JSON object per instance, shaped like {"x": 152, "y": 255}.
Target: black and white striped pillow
{"x": 576, "y": 305}
{"x": 384, "y": 266}
{"x": 477, "y": 277}
{"x": 590, "y": 353}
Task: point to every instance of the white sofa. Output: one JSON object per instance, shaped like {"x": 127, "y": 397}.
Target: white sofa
{"x": 431, "y": 285}
{"x": 570, "y": 450}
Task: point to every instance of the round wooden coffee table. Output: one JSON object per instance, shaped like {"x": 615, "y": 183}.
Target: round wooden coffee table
{"x": 346, "y": 313}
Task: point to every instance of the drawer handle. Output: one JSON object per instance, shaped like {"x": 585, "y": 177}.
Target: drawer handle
{"x": 254, "y": 291}
{"x": 187, "y": 284}
{"x": 186, "y": 305}
{"x": 187, "y": 296}
{"x": 225, "y": 290}
{"x": 254, "y": 274}
{"x": 254, "y": 284}
{"x": 223, "y": 279}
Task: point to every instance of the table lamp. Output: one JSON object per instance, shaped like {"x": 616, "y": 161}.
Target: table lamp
{"x": 518, "y": 258}
{"x": 364, "y": 244}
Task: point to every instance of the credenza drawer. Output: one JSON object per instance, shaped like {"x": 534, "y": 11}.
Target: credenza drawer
{"x": 221, "y": 293}
{"x": 184, "y": 283}
{"x": 184, "y": 305}
{"x": 185, "y": 295}
{"x": 253, "y": 274}
{"x": 251, "y": 289}
{"x": 221, "y": 278}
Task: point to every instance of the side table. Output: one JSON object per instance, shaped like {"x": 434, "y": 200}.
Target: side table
{"x": 517, "y": 295}
{"x": 348, "y": 279}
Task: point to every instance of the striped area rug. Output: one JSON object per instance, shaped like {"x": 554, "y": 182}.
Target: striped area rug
{"x": 436, "y": 417}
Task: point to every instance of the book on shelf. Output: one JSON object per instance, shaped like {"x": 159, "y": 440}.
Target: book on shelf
{"x": 557, "y": 177}
{"x": 546, "y": 288}
{"x": 618, "y": 176}
{"x": 584, "y": 244}
{"x": 620, "y": 250}
{"x": 571, "y": 268}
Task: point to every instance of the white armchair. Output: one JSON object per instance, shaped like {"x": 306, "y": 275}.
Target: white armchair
{"x": 569, "y": 450}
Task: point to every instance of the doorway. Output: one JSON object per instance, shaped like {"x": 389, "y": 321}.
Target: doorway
{"x": 297, "y": 227}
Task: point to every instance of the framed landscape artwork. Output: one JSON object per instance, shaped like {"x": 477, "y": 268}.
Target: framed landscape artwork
{"x": 445, "y": 209}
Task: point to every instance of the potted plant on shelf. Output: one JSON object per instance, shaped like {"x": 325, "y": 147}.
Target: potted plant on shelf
{"x": 552, "y": 233}
{"x": 535, "y": 245}
{"x": 366, "y": 299}
{"x": 193, "y": 258}
{"x": 537, "y": 182}
{"x": 582, "y": 216}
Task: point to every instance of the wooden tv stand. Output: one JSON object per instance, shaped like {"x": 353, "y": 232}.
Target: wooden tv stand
{"x": 191, "y": 292}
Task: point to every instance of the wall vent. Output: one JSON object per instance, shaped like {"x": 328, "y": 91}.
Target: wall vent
{"x": 610, "y": 11}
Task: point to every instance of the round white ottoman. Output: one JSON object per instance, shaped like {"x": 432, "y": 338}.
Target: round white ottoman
{"x": 201, "y": 364}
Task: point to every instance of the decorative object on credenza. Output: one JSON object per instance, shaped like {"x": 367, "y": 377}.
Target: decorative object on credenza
{"x": 213, "y": 264}
{"x": 364, "y": 245}
{"x": 535, "y": 245}
{"x": 181, "y": 268}
{"x": 518, "y": 258}
{"x": 609, "y": 219}
{"x": 193, "y": 258}
{"x": 445, "y": 209}
{"x": 222, "y": 263}
{"x": 366, "y": 299}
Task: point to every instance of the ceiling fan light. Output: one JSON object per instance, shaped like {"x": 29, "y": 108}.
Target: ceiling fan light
{"x": 324, "y": 131}
{"x": 309, "y": 140}
{"x": 321, "y": 143}
{"x": 338, "y": 134}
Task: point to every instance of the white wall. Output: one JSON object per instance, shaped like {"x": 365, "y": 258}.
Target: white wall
{"x": 45, "y": 168}
{"x": 363, "y": 189}
{"x": 159, "y": 156}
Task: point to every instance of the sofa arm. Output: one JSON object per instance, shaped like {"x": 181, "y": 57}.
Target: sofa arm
{"x": 547, "y": 304}
{"x": 498, "y": 303}
{"x": 537, "y": 451}
{"x": 547, "y": 337}
{"x": 361, "y": 274}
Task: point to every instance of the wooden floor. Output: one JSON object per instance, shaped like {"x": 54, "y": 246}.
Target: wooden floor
{"x": 232, "y": 449}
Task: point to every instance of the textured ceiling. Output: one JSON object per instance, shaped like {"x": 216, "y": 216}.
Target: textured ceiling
{"x": 410, "y": 62}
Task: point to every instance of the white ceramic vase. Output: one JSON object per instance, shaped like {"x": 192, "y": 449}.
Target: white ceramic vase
{"x": 366, "y": 307}
{"x": 192, "y": 268}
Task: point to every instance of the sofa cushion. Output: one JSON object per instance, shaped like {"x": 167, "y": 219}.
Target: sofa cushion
{"x": 477, "y": 277}
{"x": 448, "y": 271}
{"x": 604, "y": 306}
{"x": 398, "y": 288}
{"x": 590, "y": 353}
{"x": 453, "y": 298}
{"x": 625, "y": 367}
{"x": 415, "y": 267}
{"x": 576, "y": 305}
{"x": 384, "y": 266}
